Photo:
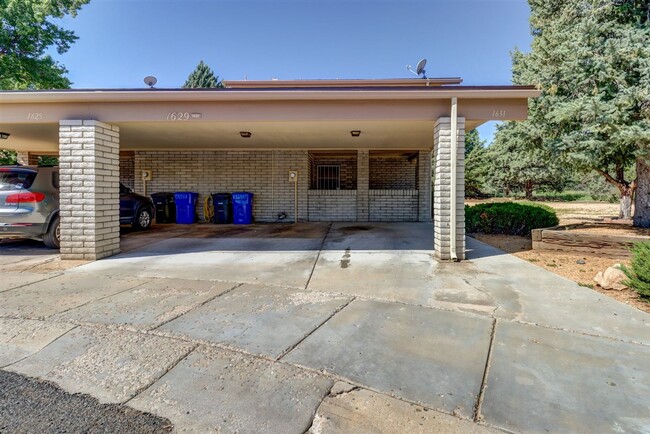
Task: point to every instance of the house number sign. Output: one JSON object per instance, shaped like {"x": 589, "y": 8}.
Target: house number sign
{"x": 178, "y": 116}
{"x": 182, "y": 116}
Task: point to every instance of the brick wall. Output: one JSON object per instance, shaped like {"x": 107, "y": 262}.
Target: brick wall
{"x": 127, "y": 168}
{"x": 333, "y": 205}
{"x": 395, "y": 173}
{"x": 347, "y": 165}
{"x": 263, "y": 173}
{"x": 266, "y": 175}
{"x": 393, "y": 205}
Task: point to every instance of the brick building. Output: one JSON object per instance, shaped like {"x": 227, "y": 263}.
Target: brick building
{"x": 364, "y": 150}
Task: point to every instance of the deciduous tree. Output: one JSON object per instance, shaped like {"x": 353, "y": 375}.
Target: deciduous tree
{"x": 28, "y": 29}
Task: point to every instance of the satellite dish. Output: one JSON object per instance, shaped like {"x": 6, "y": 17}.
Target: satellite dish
{"x": 420, "y": 68}
{"x": 150, "y": 80}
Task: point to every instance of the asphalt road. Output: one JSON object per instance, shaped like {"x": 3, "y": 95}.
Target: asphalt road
{"x": 33, "y": 406}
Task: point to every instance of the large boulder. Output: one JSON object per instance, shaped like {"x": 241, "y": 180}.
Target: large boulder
{"x": 612, "y": 278}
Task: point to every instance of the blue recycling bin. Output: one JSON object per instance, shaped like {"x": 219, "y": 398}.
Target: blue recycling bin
{"x": 242, "y": 208}
{"x": 185, "y": 207}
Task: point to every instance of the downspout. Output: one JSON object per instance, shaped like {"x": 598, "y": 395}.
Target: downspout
{"x": 454, "y": 158}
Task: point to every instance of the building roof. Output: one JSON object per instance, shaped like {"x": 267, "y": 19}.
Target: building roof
{"x": 318, "y": 114}
{"x": 341, "y": 83}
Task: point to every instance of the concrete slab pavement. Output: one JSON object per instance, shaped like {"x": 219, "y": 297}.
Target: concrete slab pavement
{"x": 51, "y": 296}
{"x": 111, "y": 365}
{"x": 270, "y": 261}
{"x": 419, "y": 354}
{"x": 385, "y": 341}
{"x": 258, "y": 319}
{"x": 214, "y": 390}
{"x": 361, "y": 411}
{"x": 393, "y": 262}
{"x": 20, "y": 338}
{"x": 15, "y": 279}
{"x": 530, "y": 294}
{"x": 148, "y": 305}
{"x": 542, "y": 380}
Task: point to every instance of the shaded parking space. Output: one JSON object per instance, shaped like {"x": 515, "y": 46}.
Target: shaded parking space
{"x": 264, "y": 320}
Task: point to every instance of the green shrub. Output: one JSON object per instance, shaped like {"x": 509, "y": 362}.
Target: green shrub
{"x": 508, "y": 218}
{"x": 639, "y": 273}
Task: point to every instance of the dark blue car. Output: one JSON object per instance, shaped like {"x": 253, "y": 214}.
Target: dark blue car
{"x": 135, "y": 210}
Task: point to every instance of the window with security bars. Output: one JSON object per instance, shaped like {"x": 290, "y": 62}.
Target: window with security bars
{"x": 328, "y": 177}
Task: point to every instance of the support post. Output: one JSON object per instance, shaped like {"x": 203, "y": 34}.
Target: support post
{"x": 444, "y": 187}
{"x": 424, "y": 186}
{"x": 89, "y": 189}
{"x": 363, "y": 185}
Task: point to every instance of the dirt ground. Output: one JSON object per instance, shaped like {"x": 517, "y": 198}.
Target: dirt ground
{"x": 580, "y": 268}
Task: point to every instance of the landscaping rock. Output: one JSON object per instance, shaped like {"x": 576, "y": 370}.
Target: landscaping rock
{"x": 612, "y": 278}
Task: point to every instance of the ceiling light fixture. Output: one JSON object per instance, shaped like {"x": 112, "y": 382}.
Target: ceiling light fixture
{"x": 4, "y": 135}
{"x": 245, "y": 134}
{"x": 355, "y": 133}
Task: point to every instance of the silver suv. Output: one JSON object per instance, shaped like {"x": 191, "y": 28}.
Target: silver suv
{"x": 29, "y": 203}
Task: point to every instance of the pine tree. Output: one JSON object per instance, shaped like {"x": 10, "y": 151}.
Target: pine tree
{"x": 476, "y": 165}
{"x": 519, "y": 161}
{"x": 202, "y": 78}
{"x": 591, "y": 60}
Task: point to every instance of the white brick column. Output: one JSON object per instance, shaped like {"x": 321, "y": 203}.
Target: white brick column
{"x": 363, "y": 183}
{"x": 442, "y": 189}
{"x": 424, "y": 186}
{"x": 89, "y": 158}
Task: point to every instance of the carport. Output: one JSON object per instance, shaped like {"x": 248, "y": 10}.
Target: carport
{"x": 363, "y": 150}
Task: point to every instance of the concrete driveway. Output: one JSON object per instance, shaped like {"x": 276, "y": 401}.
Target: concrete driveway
{"x": 331, "y": 327}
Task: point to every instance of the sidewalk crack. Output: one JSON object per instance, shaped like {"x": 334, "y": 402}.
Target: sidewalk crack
{"x": 292, "y": 347}
{"x": 322, "y": 244}
{"x": 478, "y": 417}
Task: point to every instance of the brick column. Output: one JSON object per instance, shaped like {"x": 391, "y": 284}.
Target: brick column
{"x": 363, "y": 176}
{"x": 424, "y": 186}
{"x": 89, "y": 156}
{"x": 442, "y": 189}
{"x": 26, "y": 158}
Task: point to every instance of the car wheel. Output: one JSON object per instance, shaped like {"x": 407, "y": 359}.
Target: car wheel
{"x": 52, "y": 237}
{"x": 142, "y": 219}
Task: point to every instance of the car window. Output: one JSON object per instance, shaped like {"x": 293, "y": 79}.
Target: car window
{"x": 16, "y": 179}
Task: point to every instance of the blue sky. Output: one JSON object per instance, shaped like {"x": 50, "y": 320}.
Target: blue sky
{"x": 122, "y": 41}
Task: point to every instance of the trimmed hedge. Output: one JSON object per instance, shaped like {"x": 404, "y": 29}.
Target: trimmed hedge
{"x": 638, "y": 276}
{"x": 508, "y": 218}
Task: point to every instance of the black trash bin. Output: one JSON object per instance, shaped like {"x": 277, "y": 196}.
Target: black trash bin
{"x": 165, "y": 207}
{"x": 222, "y": 203}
